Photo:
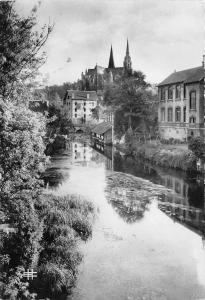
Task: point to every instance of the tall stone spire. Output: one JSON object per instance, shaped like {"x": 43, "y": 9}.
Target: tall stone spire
{"x": 127, "y": 50}
{"x": 111, "y": 60}
{"x": 127, "y": 61}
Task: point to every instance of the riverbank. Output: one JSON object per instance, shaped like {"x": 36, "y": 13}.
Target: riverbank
{"x": 168, "y": 156}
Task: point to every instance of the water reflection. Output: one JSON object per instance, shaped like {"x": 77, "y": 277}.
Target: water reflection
{"x": 185, "y": 204}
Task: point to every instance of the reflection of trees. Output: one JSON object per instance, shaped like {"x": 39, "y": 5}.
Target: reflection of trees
{"x": 129, "y": 211}
{"x": 126, "y": 197}
{"x": 54, "y": 177}
{"x": 130, "y": 165}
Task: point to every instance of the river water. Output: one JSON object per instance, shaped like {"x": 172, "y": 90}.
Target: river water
{"x": 148, "y": 233}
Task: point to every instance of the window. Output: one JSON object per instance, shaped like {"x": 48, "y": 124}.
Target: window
{"x": 184, "y": 91}
{"x": 184, "y": 114}
{"x": 192, "y": 120}
{"x": 178, "y": 114}
{"x": 177, "y": 187}
{"x": 75, "y": 109}
{"x": 192, "y": 100}
{"x": 163, "y": 93}
{"x": 84, "y": 109}
{"x": 84, "y": 103}
{"x": 170, "y": 114}
{"x": 163, "y": 114}
{"x": 170, "y": 92}
{"x": 178, "y": 91}
{"x": 75, "y": 115}
{"x": 76, "y": 103}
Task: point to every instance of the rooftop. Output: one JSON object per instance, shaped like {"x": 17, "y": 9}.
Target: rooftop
{"x": 82, "y": 95}
{"x": 102, "y": 128}
{"x": 185, "y": 76}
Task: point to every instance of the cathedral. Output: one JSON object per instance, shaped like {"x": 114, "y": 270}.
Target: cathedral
{"x": 95, "y": 79}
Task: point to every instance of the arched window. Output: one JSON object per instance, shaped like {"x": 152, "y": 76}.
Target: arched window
{"x": 192, "y": 120}
{"x": 170, "y": 114}
{"x": 178, "y": 114}
{"x": 184, "y": 114}
{"x": 162, "y": 114}
{"x": 192, "y": 100}
{"x": 170, "y": 92}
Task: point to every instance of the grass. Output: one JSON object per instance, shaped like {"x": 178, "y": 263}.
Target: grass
{"x": 169, "y": 156}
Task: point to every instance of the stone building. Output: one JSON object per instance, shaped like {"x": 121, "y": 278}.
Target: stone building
{"x": 96, "y": 78}
{"x": 181, "y": 104}
{"x": 78, "y": 105}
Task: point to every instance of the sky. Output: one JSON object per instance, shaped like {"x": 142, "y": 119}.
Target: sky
{"x": 164, "y": 35}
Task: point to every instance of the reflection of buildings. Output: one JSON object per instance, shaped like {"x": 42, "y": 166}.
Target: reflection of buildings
{"x": 186, "y": 202}
{"x": 106, "y": 151}
{"x": 81, "y": 152}
{"x": 181, "y": 206}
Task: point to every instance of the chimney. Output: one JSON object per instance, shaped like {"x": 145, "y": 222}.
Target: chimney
{"x": 203, "y": 62}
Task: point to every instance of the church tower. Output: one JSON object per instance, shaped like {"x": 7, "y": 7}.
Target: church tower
{"x": 111, "y": 64}
{"x": 127, "y": 61}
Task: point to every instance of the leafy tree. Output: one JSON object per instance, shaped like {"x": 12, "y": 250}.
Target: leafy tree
{"x": 22, "y": 148}
{"x": 133, "y": 101}
{"x": 19, "y": 49}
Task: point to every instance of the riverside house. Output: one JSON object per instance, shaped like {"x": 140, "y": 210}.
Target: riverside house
{"x": 181, "y": 104}
{"x": 78, "y": 105}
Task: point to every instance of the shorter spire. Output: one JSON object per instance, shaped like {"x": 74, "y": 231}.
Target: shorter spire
{"x": 111, "y": 60}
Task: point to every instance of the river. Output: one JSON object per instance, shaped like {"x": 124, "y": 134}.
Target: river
{"x": 145, "y": 245}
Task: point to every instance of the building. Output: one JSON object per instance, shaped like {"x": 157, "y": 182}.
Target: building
{"x": 181, "y": 104}
{"x": 78, "y": 105}
{"x": 96, "y": 78}
{"x": 102, "y": 133}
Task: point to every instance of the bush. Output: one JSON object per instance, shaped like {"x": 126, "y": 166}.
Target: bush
{"x": 197, "y": 146}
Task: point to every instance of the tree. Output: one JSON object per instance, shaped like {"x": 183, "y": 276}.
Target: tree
{"x": 131, "y": 98}
{"x": 19, "y": 49}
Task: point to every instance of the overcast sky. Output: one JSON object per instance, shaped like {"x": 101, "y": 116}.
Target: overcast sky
{"x": 164, "y": 35}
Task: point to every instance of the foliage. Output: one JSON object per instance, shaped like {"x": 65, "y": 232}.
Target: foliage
{"x": 197, "y": 145}
{"x": 22, "y": 155}
{"x": 132, "y": 99}
{"x": 57, "y": 123}
{"x": 20, "y": 46}
{"x": 66, "y": 220}
{"x": 58, "y": 91}
{"x": 172, "y": 157}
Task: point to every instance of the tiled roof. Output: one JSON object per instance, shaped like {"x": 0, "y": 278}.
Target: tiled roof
{"x": 186, "y": 76}
{"x": 102, "y": 128}
{"x": 82, "y": 95}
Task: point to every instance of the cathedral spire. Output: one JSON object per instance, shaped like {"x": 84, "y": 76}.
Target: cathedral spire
{"x": 127, "y": 50}
{"x": 111, "y": 60}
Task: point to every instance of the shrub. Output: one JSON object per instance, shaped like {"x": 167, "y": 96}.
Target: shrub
{"x": 197, "y": 146}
